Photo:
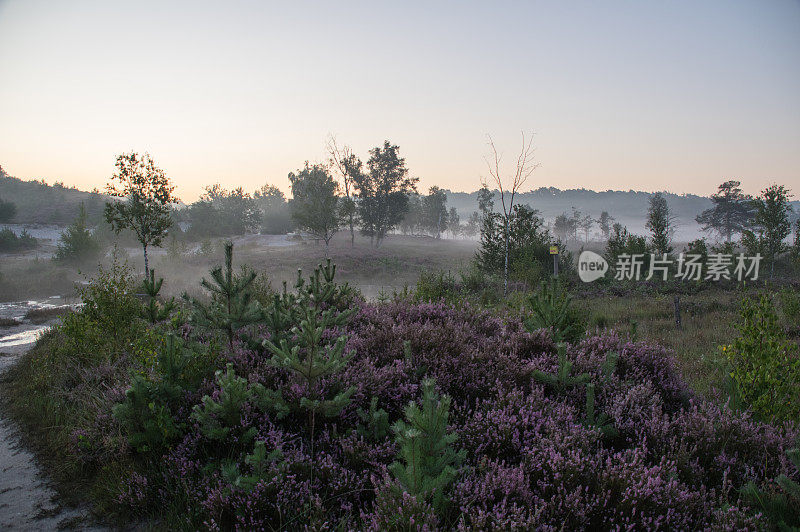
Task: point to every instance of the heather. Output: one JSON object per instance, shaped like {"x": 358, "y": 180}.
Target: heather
{"x": 314, "y": 408}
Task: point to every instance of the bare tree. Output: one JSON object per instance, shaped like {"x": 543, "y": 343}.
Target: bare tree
{"x": 340, "y": 160}
{"x": 524, "y": 168}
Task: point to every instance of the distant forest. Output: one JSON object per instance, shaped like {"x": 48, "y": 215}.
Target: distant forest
{"x": 40, "y": 203}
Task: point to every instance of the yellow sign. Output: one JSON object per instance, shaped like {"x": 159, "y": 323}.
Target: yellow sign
{"x": 554, "y": 250}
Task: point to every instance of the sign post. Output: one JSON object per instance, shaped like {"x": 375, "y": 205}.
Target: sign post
{"x": 554, "y": 253}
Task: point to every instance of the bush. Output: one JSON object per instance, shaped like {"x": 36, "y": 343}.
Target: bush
{"x": 764, "y": 363}
{"x": 10, "y": 242}
{"x": 7, "y": 211}
{"x": 601, "y": 434}
{"x": 76, "y": 242}
{"x": 528, "y": 248}
{"x": 621, "y": 242}
{"x": 551, "y": 308}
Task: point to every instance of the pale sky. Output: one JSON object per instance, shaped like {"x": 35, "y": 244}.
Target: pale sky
{"x": 675, "y": 96}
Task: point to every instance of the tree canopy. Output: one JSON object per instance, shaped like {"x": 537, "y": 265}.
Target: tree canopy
{"x": 146, "y": 196}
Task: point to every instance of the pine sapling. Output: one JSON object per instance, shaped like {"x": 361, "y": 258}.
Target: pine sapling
{"x": 156, "y": 311}
{"x": 551, "y": 308}
{"x": 232, "y": 306}
{"x": 601, "y": 421}
{"x": 146, "y": 413}
{"x": 427, "y": 464}
{"x": 309, "y": 357}
{"x": 563, "y": 379}
{"x": 781, "y": 507}
{"x": 375, "y": 422}
{"x": 217, "y": 416}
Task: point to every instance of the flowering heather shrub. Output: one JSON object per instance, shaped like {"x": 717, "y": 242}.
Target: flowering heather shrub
{"x": 531, "y": 461}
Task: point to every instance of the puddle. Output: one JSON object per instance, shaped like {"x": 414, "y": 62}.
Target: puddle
{"x": 21, "y": 338}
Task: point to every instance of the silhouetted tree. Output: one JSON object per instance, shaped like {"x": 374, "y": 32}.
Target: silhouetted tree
{"x": 314, "y": 205}
{"x": 660, "y": 223}
{"x": 605, "y": 222}
{"x": 771, "y": 219}
{"x": 731, "y": 213}
{"x": 383, "y": 190}
{"x": 342, "y": 159}
{"x": 276, "y": 218}
{"x": 435, "y": 211}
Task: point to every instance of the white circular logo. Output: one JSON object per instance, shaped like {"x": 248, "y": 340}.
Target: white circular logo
{"x": 591, "y": 266}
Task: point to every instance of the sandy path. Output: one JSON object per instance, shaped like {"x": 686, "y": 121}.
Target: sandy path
{"x": 27, "y": 500}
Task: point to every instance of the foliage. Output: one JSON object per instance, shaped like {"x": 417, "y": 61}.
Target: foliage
{"x": 551, "y": 308}
{"x": 771, "y": 221}
{"x": 528, "y": 245}
{"x": 731, "y": 213}
{"x": 563, "y": 379}
{"x": 216, "y": 415}
{"x": 109, "y": 321}
{"x": 7, "y": 211}
{"x": 535, "y": 456}
{"x": 485, "y": 200}
{"x": 376, "y": 422}
{"x": 232, "y": 306}
{"x": 10, "y": 242}
{"x": 147, "y": 414}
{"x": 220, "y": 212}
{"x": 605, "y": 222}
{"x": 781, "y": 506}
{"x": 76, "y": 242}
{"x": 315, "y": 204}
{"x": 622, "y": 242}
{"x": 434, "y": 211}
{"x": 765, "y": 364}
{"x": 382, "y": 190}
{"x": 660, "y": 223}
{"x": 428, "y": 462}
{"x": 146, "y": 194}
{"x": 276, "y": 218}
{"x": 156, "y": 310}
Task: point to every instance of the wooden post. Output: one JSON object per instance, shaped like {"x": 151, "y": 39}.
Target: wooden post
{"x": 678, "y": 313}
{"x": 555, "y": 265}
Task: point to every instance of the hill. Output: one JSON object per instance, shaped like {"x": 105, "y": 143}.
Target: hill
{"x": 40, "y": 203}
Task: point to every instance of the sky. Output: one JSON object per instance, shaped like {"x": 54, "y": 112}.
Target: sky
{"x": 676, "y": 96}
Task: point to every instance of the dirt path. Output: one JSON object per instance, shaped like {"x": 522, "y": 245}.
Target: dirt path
{"x": 27, "y": 500}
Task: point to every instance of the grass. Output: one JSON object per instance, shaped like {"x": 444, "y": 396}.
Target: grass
{"x": 43, "y": 315}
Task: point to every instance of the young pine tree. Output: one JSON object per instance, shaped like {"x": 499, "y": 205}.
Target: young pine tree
{"x": 428, "y": 463}
{"x": 781, "y": 506}
{"x": 232, "y": 306}
{"x": 156, "y": 310}
{"x": 305, "y": 353}
{"x": 76, "y": 242}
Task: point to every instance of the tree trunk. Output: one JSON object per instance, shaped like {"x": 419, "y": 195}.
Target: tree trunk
{"x": 146, "y": 266}
{"x": 352, "y": 233}
{"x": 505, "y": 266}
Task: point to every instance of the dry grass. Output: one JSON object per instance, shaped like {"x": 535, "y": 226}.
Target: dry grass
{"x": 708, "y": 321}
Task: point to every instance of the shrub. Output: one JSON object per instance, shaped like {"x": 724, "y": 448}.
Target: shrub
{"x": 781, "y": 504}
{"x": 7, "y": 211}
{"x": 621, "y": 242}
{"x": 764, "y": 363}
{"x": 607, "y": 437}
{"x": 551, "y": 308}
{"x": 10, "y": 242}
{"x": 76, "y": 242}
{"x": 528, "y": 249}
{"x": 428, "y": 463}
{"x": 147, "y": 412}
